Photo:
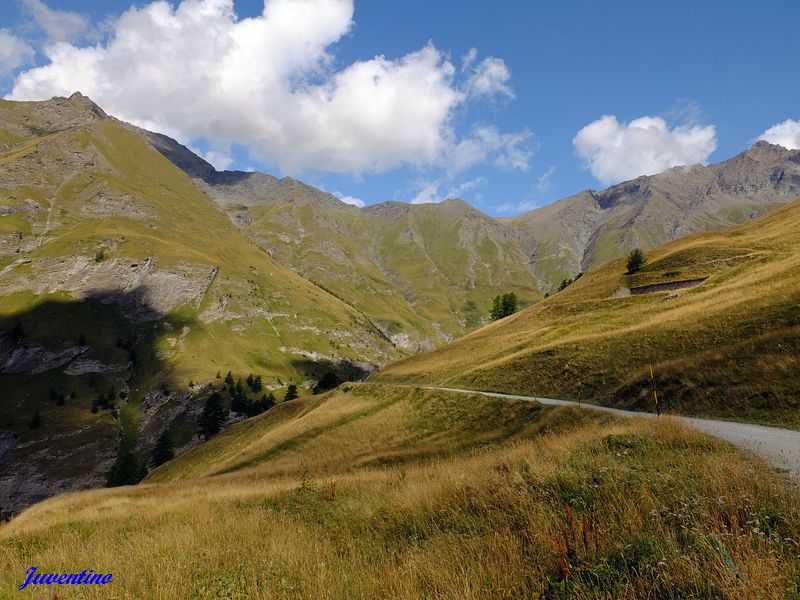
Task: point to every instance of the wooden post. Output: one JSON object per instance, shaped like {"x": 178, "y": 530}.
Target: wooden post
{"x": 655, "y": 393}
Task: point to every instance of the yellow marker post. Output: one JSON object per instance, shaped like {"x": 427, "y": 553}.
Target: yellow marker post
{"x": 655, "y": 394}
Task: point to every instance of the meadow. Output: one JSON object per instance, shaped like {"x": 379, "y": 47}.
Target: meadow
{"x": 728, "y": 348}
{"x": 345, "y": 496}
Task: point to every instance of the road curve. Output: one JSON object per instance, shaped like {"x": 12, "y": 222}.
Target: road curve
{"x": 779, "y": 446}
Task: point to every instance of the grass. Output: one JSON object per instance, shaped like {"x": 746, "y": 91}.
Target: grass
{"x": 727, "y": 348}
{"x": 536, "y": 502}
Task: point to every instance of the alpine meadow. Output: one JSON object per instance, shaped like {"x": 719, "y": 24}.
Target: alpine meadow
{"x": 318, "y": 299}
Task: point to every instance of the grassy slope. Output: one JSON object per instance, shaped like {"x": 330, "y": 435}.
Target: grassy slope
{"x": 369, "y": 497}
{"x": 420, "y": 270}
{"x": 730, "y": 347}
{"x": 270, "y": 311}
{"x": 189, "y": 230}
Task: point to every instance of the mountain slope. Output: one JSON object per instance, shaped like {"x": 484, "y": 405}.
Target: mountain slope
{"x": 387, "y": 492}
{"x": 420, "y": 297}
{"x": 590, "y": 228}
{"x": 728, "y": 346}
{"x": 424, "y": 274}
{"x": 120, "y": 280}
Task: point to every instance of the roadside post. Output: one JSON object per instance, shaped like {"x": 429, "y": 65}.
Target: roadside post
{"x": 655, "y": 393}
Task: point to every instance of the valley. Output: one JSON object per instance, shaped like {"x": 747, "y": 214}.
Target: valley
{"x": 423, "y": 456}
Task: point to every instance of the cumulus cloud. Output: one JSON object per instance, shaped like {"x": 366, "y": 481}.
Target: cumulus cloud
{"x": 270, "y": 83}
{"x": 59, "y": 25}
{"x": 489, "y": 77}
{"x": 14, "y": 52}
{"x": 786, "y": 134}
{"x": 350, "y": 200}
{"x": 615, "y": 151}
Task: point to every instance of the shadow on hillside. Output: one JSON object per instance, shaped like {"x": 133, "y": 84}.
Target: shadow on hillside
{"x": 330, "y": 371}
{"x": 68, "y": 369}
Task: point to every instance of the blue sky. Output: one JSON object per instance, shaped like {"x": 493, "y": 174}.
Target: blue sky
{"x": 507, "y": 104}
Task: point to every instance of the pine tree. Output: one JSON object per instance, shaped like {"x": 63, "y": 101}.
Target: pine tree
{"x": 267, "y": 401}
{"x": 497, "y": 308}
{"x": 127, "y": 469}
{"x": 257, "y": 384}
{"x": 229, "y": 379}
{"x": 215, "y": 413}
{"x": 250, "y": 381}
{"x": 636, "y": 260}
{"x": 291, "y": 392}
{"x": 163, "y": 450}
{"x": 503, "y": 306}
{"x": 509, "y": 304}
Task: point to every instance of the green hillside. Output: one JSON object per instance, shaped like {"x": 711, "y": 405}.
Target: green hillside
{"x": 118, "y": 275}
{"x": 728, "y": 347}
{"x": 424, "y": 274}
{"x": 387, "y": 492}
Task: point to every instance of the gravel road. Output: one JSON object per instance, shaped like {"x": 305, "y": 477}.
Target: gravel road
{"x": 779, "y": 446}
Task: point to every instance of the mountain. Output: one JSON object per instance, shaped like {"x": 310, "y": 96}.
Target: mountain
{"x": 133, "y": 273}
{"x": 424, "y": 274}
{"x": 590, "y": 228}
{"x": 716, "y": 316}
{"x": 124, "y": 291}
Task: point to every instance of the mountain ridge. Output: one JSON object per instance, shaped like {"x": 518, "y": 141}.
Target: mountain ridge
{"x": 572, "y": 234}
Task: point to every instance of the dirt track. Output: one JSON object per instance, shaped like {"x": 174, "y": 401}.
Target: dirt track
{"x": 779, "y": 446}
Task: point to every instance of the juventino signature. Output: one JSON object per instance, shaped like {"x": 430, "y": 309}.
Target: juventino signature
{"x": 82, "y": 578}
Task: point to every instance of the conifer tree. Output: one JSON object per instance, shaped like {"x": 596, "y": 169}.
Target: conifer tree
{"x": 163, "y": 450}
{"x": 215, "y": 413}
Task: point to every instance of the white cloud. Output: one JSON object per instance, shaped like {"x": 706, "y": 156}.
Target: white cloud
{"x": 428, "y": 193}
{"x": 544, "y": 181}
{"x": 615, "y": 151}
{"x": 486, "y": 143}
{"x": 489, "y": 78}
{"x": 428, "y": 190}
{"x": 268, "y": 83}
{"x": 14, "y": 52}
{"x": 469, "y": 59}
{"x": 786, "y": 134}
{"x": 59, "y": 25}
{"x": 220, "y": 159}
{"x": 519, "y": 207}
{"x": 350, "y": 200}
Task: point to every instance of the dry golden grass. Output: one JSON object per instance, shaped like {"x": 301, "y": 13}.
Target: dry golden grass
{"x": 730, "y": 347}
{"x": 587, "y": 509}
